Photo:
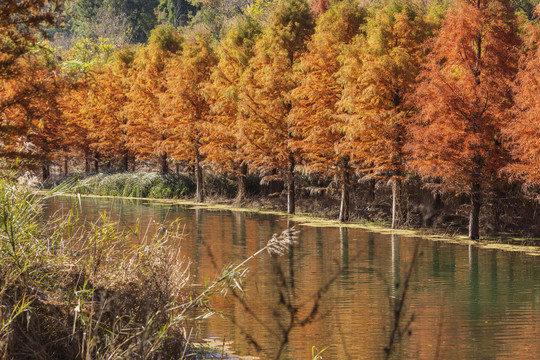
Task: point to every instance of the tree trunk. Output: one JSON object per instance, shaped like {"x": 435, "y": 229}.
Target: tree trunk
{"x": 163, "y": 164}
{"x": 474, "y": 217}
{"x": 345, "y": 197}
{"x": 396, "y": 192}
{"x": 66, "y": 166}
{"x": 86, "y": 164}
{"x": 199, "y": 179}
{"x": 125, "y": 161}
{"x": 291, "y": 206}
{"x": 45, "y": 171}
{"x": 241, "y": 195}
{"x": 96, "y": 163}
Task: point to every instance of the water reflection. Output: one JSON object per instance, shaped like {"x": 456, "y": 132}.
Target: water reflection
{"x": 468, "y": 303}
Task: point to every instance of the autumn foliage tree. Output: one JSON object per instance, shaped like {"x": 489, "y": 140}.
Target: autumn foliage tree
{"x": 149, "y": 126}
{"x": 188, "y": 105}
{"x": 266, "y": 92}
{"x": 105, "y": 111}
{"x": 524, "y": 130}
{"x": 390, "y": 56}
{"x": 224, "y": 147}
{"x": 78, "y": 130}
{"x": 27, "y": 85}
{"x": 463, "y": 99}
{"x": 315, "y": 118}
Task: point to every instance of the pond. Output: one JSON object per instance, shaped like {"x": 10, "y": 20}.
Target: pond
{"x": 343, "y": 287}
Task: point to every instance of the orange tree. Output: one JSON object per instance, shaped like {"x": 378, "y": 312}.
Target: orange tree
{"x": 463, "y": 98}
{"x": 105, "y": 111}
{"x": 224, "y": 146}
{"x": 77, "y": 130}
{"x": 266, "y": 87}
{"x": 315, "y": 120}
{"x": 186, "y": 103}
{"x": 27, "y": 86}
{"x": 389, "y": 58}
{"x": 524, "y": 130}
{"x": 148, "y": 126}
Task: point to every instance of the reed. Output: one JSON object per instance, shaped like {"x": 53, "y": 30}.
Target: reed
{"x": 152, "y": 185}
{"x": 86, "y": 292}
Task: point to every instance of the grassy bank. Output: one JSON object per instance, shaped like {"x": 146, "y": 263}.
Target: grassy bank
{"x": 68, "y": 293}
{"x": 317, "y": 211}
{"x": 505, "y": 242}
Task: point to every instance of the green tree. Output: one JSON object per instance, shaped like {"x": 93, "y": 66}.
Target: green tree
{"x": 177, "y": 12}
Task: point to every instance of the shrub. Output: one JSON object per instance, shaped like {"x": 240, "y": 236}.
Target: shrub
{"x": 136, "y": 185}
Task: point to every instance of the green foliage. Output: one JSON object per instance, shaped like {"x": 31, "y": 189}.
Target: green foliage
{"x": 83, "y": 14}
{"x": 166, "y": 38}
{"x": 87, "y": 53}
{"x": 150, "y": 185}
{"x": 526, "y": 7}
{"x": 138, "y": 17}
{"x": 291, "y": 20}
{"x": 259, "y": 9}
{"x": 177, "y": 12}
{"x": 343, "y": 20}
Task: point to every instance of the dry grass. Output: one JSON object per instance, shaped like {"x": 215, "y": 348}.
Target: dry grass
{"x": 72, "y": 292}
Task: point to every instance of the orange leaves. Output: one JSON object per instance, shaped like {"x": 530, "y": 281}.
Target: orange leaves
{"x": 315, "y": 118}
{"x": 187, "y": 104}
{"x": 375, "y": 93}
{"x": 524, "y": 129}
{"x": 29, "y": 117}
{"x": 465, "y": 94}
{"x": 148, "y": 124}
{"x": 224, "y": 147}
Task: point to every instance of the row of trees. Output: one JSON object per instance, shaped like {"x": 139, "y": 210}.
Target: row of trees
{"x": 448, "y": 92}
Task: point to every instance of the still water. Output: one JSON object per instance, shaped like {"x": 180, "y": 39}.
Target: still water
{"x": 339, "y": 288}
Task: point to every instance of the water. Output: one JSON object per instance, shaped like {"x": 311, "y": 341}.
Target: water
{"x": 462, "y": 302}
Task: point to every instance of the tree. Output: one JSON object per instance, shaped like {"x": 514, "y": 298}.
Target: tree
{"x": 78, "y": 128}
{"x": 125, "y": 19}
{"x": 463, "y": 98}
{"x": 27, "y": 84}
{"x": 149, "y": 126}
{"x": 389, "y": 60}
{"x": 188, "y": 104}
{"x": 523, "y": 131}
{"x": 106, "y": 108}
{"x": 21, "y": 24}
{"x": 177, "y": 12}
{"x": 266, "y": 92}
{"x": 224, "y": 147}
{"x": 315, "y": 119}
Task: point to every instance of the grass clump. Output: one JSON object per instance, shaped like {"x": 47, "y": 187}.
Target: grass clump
{"x": 147, "y": 185}
{"x": 84, "y": 292}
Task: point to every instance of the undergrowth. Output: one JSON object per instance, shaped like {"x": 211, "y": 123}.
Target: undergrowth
{"x": 84, "y": 292}
{"x": 152, "y": 185}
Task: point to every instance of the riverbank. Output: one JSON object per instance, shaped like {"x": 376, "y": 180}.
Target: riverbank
{"x": 71, "y": 291}
{"x": 504, "y": 242}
